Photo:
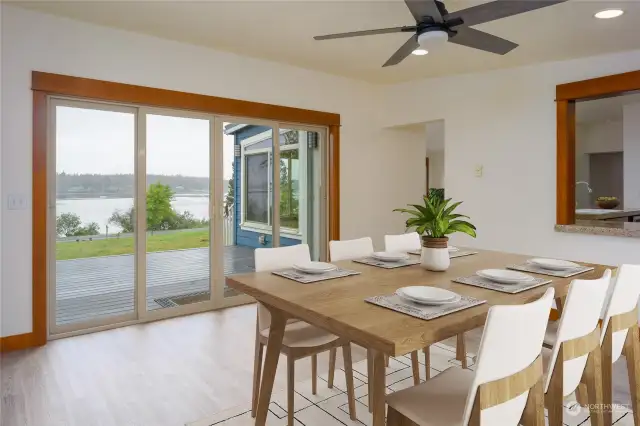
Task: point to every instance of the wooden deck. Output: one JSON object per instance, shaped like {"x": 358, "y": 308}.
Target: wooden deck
{"x": 103, "y": 286}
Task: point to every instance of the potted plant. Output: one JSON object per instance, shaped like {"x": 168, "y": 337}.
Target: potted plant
{"x": 434, "y": 221}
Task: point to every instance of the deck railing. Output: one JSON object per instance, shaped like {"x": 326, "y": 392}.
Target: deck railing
{"x": 227, "y": 230}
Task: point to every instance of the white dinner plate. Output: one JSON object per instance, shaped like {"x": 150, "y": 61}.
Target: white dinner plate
{"x": 388, "y": 256}
{"x": 314, "y": 267}
{"x": 453, "y": 249}
{"x": 402, "y": 295}
{"x": 554, "y": 264}
{"x": 504, "y": 276}
{"x": 423, "y": 294}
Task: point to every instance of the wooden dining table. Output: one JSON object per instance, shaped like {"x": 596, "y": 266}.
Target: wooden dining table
{"x": 339, "y": 306}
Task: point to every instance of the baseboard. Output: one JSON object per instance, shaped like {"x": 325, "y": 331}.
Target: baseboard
{"x": 18, "y": 342}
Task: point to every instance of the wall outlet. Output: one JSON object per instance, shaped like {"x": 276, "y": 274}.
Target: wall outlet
{"x": 479, "y": 170}
{"x": 17, "y": 202}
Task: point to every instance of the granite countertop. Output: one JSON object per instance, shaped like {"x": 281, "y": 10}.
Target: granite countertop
{"x": 600, "y": 227}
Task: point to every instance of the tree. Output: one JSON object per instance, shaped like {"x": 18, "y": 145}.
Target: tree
{"x": 124, "y": 220}
{"x": 67, "y": 224}
{"x": 230, "y": 198}
{"x": 90, "y": 229}
{"x": 159, "y": 209}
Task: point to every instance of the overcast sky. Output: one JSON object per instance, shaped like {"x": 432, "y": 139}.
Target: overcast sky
{"x": 102, "y": 142}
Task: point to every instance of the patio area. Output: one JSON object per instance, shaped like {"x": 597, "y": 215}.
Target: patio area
{"x": 95, "y": 287}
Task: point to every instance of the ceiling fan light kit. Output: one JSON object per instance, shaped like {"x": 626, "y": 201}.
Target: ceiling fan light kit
{"x": 609, "y": 13}
{"x": 434, "y": 26}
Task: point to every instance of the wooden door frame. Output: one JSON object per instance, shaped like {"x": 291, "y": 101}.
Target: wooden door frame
{"x": 44, "y": 85}
{"x": 566, "y": 97}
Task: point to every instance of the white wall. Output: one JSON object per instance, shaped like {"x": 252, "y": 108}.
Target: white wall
{"x": 631, "y": 122}
{"x": 506, "y": 121}
{"x": 374, "y": 162}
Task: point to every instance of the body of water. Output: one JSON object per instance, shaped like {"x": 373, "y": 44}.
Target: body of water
{"x": 100, "y": 209}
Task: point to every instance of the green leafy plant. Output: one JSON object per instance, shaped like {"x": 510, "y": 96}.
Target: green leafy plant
{"x": 436, "y": 219}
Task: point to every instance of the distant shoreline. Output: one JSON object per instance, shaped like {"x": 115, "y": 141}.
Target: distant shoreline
{"x": 119, "y": 196}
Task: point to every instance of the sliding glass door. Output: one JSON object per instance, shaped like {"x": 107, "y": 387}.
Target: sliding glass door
{"x": 153, "y": 209}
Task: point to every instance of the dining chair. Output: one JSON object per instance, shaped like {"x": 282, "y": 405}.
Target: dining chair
{"x": 506, "y": 388}
{"x": 405, "y": 243}
{"x": 620, "y": 336}
{"x": 350, "y": 249}
{"x": 300, "y": 340}
{"x": 576, "y": 355}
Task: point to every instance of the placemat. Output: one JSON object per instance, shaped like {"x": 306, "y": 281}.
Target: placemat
{"x": 528, "y": 267}
{"x": 477, "y": 281}
{"x": 305, "y": 278}
{"x": 387, "y": 265}
{"x": 452, "y": 255}
{"x": 425, "y": 312}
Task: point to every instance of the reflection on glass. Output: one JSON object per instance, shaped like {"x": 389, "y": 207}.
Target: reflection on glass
{"x": 177, "y": 211}
{"x": 95, "y": 152}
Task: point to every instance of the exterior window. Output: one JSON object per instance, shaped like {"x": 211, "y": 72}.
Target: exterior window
{"x": 257, "y": 194}
{"x": 289, "y": 188}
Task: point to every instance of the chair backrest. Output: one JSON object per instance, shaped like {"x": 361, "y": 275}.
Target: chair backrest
{"x": 625, "y": 290}
{"x": 402, "y": 243}
{"x": 579, "y": 319}
{"x": 511, "y": 343}
{"x": 271, "y": 259}
{"x": 350, "y": 249}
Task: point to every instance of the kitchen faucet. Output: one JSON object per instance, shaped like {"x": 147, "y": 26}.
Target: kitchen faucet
{"x": 588, "y": 188}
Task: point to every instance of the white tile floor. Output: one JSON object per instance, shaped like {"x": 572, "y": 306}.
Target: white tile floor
{"x": 329, "y": 406}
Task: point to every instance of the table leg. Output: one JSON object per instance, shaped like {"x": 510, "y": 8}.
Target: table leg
{"x": 378, "y": 399}
{"x": 370, "y": 378}
{"x": 274, "y": 345}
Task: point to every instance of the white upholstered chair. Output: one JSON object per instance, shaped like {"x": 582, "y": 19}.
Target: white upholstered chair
{"x": 402, "y": 243}
{"x": 506, "y": 387}
{"x": 350, "y": 249}
{"x": 301, "y": 339}
{"x": 575, "y": 356}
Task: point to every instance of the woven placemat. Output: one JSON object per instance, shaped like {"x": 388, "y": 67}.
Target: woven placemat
{"x": 304, "y": 278}
{"x": 477, "y": 281}
{"x": 528, "y": 267}
{"x": 387, "y": 265}
{"x": 425, "y": 312}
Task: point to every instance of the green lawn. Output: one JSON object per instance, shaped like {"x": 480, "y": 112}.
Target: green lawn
{"x": 115, "y": 246}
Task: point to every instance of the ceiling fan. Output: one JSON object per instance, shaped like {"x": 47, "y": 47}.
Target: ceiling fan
{"x": 434, "y": 25}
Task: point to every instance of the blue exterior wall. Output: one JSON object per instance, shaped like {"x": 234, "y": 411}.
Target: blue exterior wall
{"x": 243, "y": 237}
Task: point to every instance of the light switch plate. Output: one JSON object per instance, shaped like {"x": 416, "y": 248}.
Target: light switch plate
{"x": 479, "y": 170}
{"x": 17, "y": 202}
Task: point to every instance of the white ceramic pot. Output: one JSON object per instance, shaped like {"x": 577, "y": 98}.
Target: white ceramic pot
{"x": 435, "y": 254}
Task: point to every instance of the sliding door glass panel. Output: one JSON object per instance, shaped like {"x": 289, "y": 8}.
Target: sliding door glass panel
{"x": 248, "y": 199}
{"x": 94, "y": 200}
{"x": 177, "y": 211}
{"x": 300, "y": 183}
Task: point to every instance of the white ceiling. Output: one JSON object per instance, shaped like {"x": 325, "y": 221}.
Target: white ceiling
{"x": 607, "y": 109}
{"x": 283, "y": 31}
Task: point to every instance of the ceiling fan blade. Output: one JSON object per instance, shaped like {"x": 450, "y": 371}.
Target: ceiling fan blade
{"x": 484, "y": 41}
{"x": 499, "y": 9}
{"x": 366, "y": 33}
{"x": 404, "y": 51}
{"x": 421, "y": 8}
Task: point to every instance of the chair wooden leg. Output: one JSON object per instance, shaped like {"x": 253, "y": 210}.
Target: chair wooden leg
{"x": 415, "y": 366}
{"x": 632, "y": 352}
{"x": 332, "y": 367}
{"x": 348, "y": 374}
{"x": 370, "y": 379}
{"x": 534, "y": 410}
{"x": 257, "y": 374}
{"x": 314, "y": 374}
{"x": 377, "y": 400}
{"x": 607, "y": 373}
{"x": 593, "y": 380}
{"x": 461, "y": 350}
{"x": 553, "y": 397}
{"x": 290, "y": 389}
{"x": 427, "y": 362}
{"x": 582, "y": 395}
{"x": 274, "y": 346}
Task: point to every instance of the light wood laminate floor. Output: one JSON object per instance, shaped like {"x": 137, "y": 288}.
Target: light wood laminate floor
{"x": 165, "y": 373}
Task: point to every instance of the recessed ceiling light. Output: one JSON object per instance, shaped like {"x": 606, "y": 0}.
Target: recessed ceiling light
{"x": 609, "y": 13}
{"x": 420, "y": 52}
